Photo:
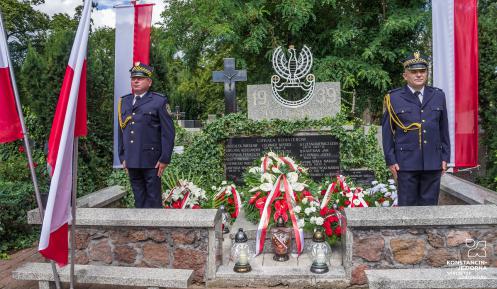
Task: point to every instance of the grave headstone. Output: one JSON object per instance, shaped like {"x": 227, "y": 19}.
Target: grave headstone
{"x": 318, "y": 153}
{"x": 360, "y": 177}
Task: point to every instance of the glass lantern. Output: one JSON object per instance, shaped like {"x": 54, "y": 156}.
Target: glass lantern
{"x": 281, "y": 240}
{"x": 241, "y": 253}
{"x": 320, "y": 253}
{"x": 225, "y": 217}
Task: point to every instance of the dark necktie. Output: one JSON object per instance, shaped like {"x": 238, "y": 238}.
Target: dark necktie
{"x": 416, "y": 94}
{"x": 137, "y": 98}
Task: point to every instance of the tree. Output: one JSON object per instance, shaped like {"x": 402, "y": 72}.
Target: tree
{"x": 25, "y": 26}
{"x": 356, "y": 42}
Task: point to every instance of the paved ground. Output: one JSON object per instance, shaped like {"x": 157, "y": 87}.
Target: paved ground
{"x": 31, "y": 255}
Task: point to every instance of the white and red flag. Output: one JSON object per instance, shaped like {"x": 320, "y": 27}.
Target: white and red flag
{"x": 69, "y": 122}
{"x": 132, "y": 44}
{"x": 10, "y": 125}
{"x": 455, "y": 70}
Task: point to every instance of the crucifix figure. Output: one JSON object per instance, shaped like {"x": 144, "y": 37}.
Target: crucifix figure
{"x": 177, "y": 114}
{"x": 229, "y": 76}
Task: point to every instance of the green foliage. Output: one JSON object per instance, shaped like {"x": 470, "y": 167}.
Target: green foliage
{"x": 204, "y": 157}
{"x": 358, "y": 43}
{"x": 487, "y": 20}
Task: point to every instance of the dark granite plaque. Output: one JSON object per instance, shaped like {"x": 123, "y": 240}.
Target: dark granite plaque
{"x": 318, "y": 153}
{"x": 361, "y": 178}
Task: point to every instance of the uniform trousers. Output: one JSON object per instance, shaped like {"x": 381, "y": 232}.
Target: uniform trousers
{"x": 146, "y": 187}
{"x": 418, "y": 188}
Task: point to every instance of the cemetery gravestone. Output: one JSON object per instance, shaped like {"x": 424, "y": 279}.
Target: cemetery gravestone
{"x": 318, "y": 153}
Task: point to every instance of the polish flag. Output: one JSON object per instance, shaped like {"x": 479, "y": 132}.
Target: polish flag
{"x": 10, "y": 126}
{"x": 455, "y": 71}
{"x": 69, "y": 122}
{"x": 133, "y": 26}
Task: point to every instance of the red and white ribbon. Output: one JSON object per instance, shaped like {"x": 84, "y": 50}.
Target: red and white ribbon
{"x": 266, "y": 212}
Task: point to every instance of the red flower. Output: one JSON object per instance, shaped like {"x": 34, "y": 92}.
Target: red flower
{"x": 196, "y": 207}
{"x": 327, "y": 229}
{"x": 177, "y": 204}
{"x": 323, "y": 192}
{"x": 338, "y": 231}
{"x": 324, "y": 211}
{"x": 20, "y": 149}
{"x": 254, "y": 197}
{"x": 341, "y": 208}
{"x": 231, "y": 201}
{"x": 346, "y": 203}
{"x": 233, "y": 215}
{"x": 381, "y": 200}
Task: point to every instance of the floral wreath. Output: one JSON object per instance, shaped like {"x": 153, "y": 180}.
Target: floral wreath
{"x": 227, "y": 195}
{"x": 184, "y": 195}
{"x": 277, "y": 184}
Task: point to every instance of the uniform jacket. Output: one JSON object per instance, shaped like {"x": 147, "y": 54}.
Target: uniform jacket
{"x": 148, "y": 136}
{"x": 403, "y": 148}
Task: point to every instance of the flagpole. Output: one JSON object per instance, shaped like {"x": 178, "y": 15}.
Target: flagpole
{"x": 28, "y": 149}
{"x": 73, "y": 208}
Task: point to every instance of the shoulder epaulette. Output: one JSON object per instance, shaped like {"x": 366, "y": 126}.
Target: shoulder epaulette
{"x": 395, "y": 89}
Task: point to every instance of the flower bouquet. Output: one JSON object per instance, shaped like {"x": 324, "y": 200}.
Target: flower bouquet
{"x": 383, "y": 195}
{"x": 227, "y": 195}
{"x": 182, "y": 193}
{"x": 277, "y": 185}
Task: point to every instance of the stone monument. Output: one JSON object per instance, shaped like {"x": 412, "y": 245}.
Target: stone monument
{"x": 293, "y": 92}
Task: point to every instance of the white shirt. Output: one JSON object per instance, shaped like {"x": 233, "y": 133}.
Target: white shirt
{"x": 421, "y": 92}
{"x": 137, "y": 97}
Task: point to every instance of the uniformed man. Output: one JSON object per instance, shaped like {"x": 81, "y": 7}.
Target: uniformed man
{"x": 415, "y": 135}
{"x": 146, "y": 137}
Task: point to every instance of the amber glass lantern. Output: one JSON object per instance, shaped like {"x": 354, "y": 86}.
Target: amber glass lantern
{"x": 281, "y": 240}
{"x": 241, "y": 253}
{"x": 320, "y": 253}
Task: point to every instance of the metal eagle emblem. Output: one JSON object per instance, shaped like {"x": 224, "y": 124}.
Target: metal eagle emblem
{"x": 295, "y": 74}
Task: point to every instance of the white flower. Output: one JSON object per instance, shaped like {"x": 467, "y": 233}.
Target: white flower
{"x": 293, "y": 177}
{"x": 301, "y": 223}
{"x": 297, "y": 209}
{"x": 213, "y": 188}
{"x": 224, "y": 183}
{"x": 313, "y": 209}
{"x": 319, "y": 221}
{"x": 385, "y": 204}
{"x": 305, "y": 201}
{"x": 314, "y": 204}
{"x": 374, "y": 183}
{"x": 392, "y": 187}
{"x": 267, "y": 177}
{"x": 266, "y": 187}
{"x": 384, "y": 190}
{"x": 357, "y": 202}
{"x": 308, "y": 211}
{"x": 255, "y": 170}
{"x": 391, "y": 181}
{"x": 376, "y": 203}
{"x": 298, "y": 187}
{"x": 313, "y": 220}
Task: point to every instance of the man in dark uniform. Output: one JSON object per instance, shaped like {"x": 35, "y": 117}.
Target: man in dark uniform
{"x": 415, "y": 131}
{"x": 146, "y": 137}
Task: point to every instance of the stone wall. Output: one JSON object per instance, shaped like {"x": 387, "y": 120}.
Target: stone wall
{"x": 425, "y": 247}
{"x": 418, "y": 237}
{"x": 178, "y": 248}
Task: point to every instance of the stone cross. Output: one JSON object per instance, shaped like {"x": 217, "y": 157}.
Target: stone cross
{"x": 177, "y": 114}
{"x": 229, "y": 76}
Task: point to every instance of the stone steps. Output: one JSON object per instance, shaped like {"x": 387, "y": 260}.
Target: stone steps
{"x": 112, "y": 275}
{"x": 485, "y": 277}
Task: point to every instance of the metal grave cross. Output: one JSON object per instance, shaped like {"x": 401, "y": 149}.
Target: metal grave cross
{"x": 229, "y": 76}
{"x": 177, "y": 114}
